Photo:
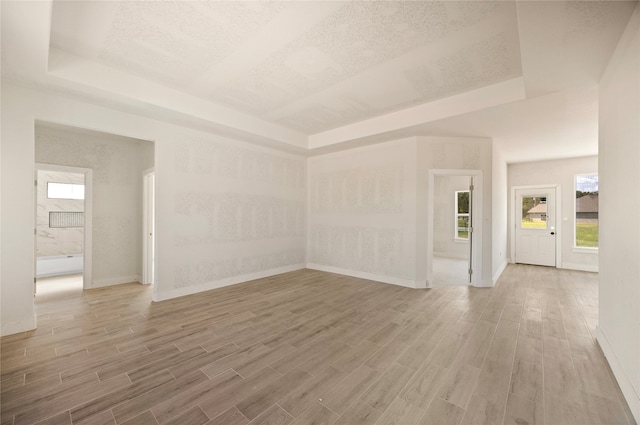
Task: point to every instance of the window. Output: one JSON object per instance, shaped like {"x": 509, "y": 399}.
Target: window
{"x": 586, "y": 231}
{"x": 65, "y": 191}
{"x": 462, "y": 215}
{"x": 534, "y": 212}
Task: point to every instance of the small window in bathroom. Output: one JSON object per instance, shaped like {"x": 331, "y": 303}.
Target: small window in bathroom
{"x": 65, "y": 191}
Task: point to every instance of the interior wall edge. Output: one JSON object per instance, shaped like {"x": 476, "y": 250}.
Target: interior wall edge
{"x": 630, "y": 395}
{"x": 498, "y": 273}
{"x": 18, "y": 326}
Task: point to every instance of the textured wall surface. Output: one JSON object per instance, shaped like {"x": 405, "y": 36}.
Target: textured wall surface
{"x": 233, "y": 211}
{"x": 362, "y": 212}
{"x": 202, "y": 181}
{"x": 368, "y": 206}
{"x": 117, "y": 166}
{"x": 57, "y": 241}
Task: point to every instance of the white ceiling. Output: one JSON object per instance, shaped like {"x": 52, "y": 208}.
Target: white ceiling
{"x": 325, "y": 75}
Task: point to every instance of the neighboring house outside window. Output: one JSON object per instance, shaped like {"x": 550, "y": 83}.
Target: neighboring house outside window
{"x": 538, "y": 213}
{"x": 534, "y": 214}
{"x": 587, "y": 225}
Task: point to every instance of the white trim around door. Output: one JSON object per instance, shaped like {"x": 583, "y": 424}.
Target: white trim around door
{"x": 514, "y": 215}
{"x": 476, "y": 233}
{"x": 88, "y": 216}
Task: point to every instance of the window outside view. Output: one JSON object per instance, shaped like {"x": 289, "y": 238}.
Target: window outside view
{"x": 586, "y": 233}
{"x": 534, "y": 212}
{"x": 462, "y": 214}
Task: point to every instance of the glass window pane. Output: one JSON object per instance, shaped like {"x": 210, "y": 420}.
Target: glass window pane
{"x": 587, "y": 211}
{"x": 534, "y": 212}
{"x": 65, "y": 191}
{"x": 463, "y": 227}
{"x": 463, "y": 202}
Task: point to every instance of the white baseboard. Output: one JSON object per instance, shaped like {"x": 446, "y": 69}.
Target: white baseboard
{"x": 580, "y": 267}
{"x": 116, "y": 281}
{"x": 369, "y": 276}
{"x": 627, "y": 388}
{"x": 189, "y": 290}
{"x": 497, "y": 275}
{"x": 17, "y": 326}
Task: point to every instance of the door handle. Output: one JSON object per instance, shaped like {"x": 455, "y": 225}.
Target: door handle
{"x": 553, "y": 233}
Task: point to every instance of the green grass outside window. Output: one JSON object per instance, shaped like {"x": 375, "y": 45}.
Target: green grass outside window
{"x": 587, "y": 235}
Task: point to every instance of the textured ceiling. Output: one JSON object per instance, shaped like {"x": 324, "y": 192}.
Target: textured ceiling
{"x": 347, "y": 62}
{"x": 316, "y": 76}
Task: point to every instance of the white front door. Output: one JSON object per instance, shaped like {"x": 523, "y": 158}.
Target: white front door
{"x": 536, "y": 226}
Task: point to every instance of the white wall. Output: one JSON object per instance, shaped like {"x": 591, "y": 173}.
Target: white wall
{"x": 560, "y": 172}
{"x": 368, "y": 206}
{"x": 60, "y": 240}
{"x": 499, "y": 195}
{"x": 456, "y": 153}
{"x": 444, "y": 242}
{"x": 203, "y": 183}
{"x": 362, "y": 212}
{"x": 117, "y": 165}
{"x": 17, "y": 153}
{"x": 230, "y": 212}
{"x": 619, "y": 163}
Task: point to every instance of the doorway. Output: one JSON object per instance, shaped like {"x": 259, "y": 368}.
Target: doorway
{"x": 454, "y": 244}
{"x": 535, "y": 219}
{"x": 63, "y": 217}
{"x": 451, "y": 237}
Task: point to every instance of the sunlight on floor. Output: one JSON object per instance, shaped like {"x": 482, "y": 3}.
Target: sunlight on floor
{"x": 58, "y": 285}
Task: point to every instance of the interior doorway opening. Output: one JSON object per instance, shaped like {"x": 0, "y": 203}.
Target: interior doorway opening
{"x": 115, "y": 166}
{"x": 63, "y": 219}
{"x": 454, "y": 243}
{"x": 451, "y": 235}
{"x": 63, "y": 228}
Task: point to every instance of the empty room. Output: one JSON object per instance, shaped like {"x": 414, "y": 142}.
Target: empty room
{"x": 320, "y": 212}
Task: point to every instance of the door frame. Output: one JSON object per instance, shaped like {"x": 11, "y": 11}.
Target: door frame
{"x": 148, "y": 229}
{"x": 513, "y": 213}
{"x": 87, "y": 252}
{"x": 477, "y": 220}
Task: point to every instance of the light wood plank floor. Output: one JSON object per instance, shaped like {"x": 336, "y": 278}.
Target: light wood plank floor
{"x": 309, "y": 347}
